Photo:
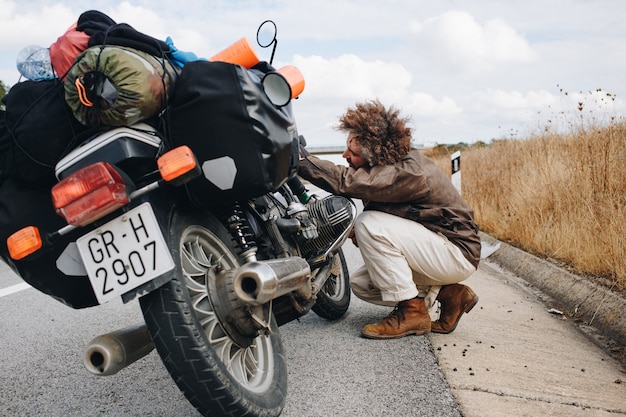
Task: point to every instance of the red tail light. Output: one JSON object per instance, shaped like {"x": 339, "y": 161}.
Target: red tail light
{"x": 89, "y": 194}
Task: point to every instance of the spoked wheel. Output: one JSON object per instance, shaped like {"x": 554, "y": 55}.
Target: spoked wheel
{"x": 219, "y": 371}
{"x": 333, "y": 299}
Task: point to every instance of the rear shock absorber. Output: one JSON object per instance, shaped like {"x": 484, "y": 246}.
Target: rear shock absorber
{"x": 239, "y": 227}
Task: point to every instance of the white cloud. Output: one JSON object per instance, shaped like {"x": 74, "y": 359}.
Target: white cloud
{"x": 33, "y": 25}
{"x": 458, "y": 42}
{"x": 426, "y": 106}
{"x": 349, "y": 76}
{"x": 495, "y": 100}
{"x": 143, "y": 19}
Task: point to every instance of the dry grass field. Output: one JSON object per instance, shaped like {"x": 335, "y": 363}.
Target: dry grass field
{"x": 561, "y": 197}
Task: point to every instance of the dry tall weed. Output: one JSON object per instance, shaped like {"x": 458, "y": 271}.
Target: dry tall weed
{"x": 557, "y": 196}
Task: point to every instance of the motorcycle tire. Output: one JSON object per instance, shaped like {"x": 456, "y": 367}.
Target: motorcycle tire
{"x": 218, "y": 377}
{"x": 333, "y": 299}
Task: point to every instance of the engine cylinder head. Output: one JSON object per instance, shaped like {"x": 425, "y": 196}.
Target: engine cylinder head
{"x": 334, "y": 215}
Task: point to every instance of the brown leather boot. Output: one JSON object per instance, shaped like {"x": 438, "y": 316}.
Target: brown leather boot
{"x": 409, "y": 317}
{"x": 455, "y": 300}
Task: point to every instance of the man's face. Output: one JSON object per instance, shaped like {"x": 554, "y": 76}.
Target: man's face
{"x": 352, "y": 154}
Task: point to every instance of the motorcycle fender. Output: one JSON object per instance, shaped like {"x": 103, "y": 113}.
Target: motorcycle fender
{"x": 148, "y": 287}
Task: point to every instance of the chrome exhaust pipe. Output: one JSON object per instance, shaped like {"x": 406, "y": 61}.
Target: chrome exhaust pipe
{"x": 259, "y": 282}
{"x": 109, "y": 353}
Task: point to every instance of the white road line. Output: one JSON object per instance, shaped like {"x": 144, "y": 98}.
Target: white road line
{"x": 13, "y": 289}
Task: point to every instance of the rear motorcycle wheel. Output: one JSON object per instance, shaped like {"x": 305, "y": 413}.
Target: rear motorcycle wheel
{"x": 333, "y": 299}
{"x": 218, "y": 376}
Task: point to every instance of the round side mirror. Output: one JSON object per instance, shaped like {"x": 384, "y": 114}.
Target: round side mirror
{"x": 266, "y": 36}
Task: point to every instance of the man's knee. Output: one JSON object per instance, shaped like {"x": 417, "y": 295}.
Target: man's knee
{"x": 358, "y": 289}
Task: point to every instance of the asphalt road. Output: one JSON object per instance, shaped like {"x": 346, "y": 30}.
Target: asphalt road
{"x": 332, "y": 370}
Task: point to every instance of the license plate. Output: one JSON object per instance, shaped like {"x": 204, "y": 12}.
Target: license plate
{"x": 125, "y": 253}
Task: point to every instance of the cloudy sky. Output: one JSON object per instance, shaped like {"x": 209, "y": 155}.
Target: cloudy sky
{"x": 464, "y": 71}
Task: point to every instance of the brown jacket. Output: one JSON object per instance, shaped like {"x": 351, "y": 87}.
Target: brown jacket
{"x": 414, "y": 188}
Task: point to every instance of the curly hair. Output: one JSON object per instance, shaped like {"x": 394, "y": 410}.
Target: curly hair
{"x": 382, "y": 134}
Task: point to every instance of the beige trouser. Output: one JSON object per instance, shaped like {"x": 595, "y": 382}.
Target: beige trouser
{"x": 403, "y": 259}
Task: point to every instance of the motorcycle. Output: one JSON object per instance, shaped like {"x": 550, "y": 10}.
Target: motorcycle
{"x": 214, "y": 280}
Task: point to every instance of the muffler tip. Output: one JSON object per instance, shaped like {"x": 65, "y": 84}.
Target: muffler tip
{"x": 99, "y": 358}
{"x": 109, "y": 353}
{"x": 259, "y": 282}
{"x": 249, "y": 287}
{"x": 97, "y": 361}
{"x": 255, "y": 282}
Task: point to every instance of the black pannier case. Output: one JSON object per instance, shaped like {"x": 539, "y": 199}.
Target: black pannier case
{"x": 246, "y": 146}
{"x": 40, "y": 129}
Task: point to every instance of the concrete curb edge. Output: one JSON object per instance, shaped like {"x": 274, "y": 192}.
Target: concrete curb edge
{"x": 595, "y": 305}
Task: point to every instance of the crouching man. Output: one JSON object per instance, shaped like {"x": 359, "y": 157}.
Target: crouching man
{"x": 416, "y": 234}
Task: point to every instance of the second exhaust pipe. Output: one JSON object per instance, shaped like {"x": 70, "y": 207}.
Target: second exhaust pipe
{"x": 109, "y": 353}
{"x": 259, "y": 282}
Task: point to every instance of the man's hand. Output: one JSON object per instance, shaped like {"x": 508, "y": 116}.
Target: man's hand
{"x": 303, "y": 153}
{"x": 352, "y": 237}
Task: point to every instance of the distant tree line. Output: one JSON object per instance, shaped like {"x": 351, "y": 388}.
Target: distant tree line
{"x": 3, "y": 90}
{"x": 446, "y": 150}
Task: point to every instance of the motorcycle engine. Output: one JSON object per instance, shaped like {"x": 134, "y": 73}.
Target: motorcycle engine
{"x": 334, "y": 217}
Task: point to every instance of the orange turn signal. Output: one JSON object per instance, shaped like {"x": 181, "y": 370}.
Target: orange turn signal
{"x": 179, "y": 163}
{"x": 24, "y": 242}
